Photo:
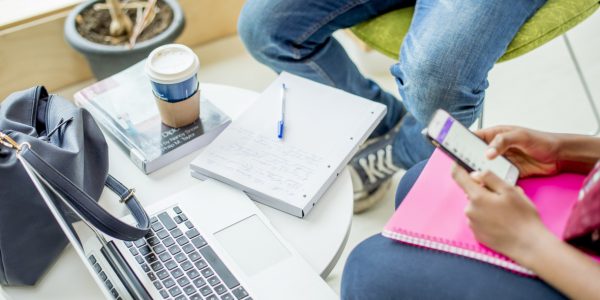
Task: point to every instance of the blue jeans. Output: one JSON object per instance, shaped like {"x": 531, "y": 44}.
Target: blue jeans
{"x": 380, "y": 268}
{"x": 444, "y": 60}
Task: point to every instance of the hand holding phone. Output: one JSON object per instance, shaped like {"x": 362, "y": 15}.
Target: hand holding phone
{"x": 534, "y": 153}
{"x": 466, "y": 148}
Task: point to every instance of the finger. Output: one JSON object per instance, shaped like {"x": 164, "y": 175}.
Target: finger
{"x": 521, "y": 191}
{"x": 488, "y": 134}
{"x": 490, "y": 180}
{"x": 462, "y": 178}
{"x": 469, "y": 211}
{"x": 504, "y": 141}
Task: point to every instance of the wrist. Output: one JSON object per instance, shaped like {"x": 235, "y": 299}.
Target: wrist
{"x": 531, "y": 250}
{"x": 576, "y": 153}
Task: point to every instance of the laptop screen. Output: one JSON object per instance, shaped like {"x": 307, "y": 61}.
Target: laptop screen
{"x": 101, "y": 258}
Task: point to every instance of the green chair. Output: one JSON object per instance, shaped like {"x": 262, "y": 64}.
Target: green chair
{"x": 386, "y": 33}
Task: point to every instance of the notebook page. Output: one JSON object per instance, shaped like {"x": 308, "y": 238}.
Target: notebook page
{"x": 323, "y": 127}
{"x": 263, "y": 162}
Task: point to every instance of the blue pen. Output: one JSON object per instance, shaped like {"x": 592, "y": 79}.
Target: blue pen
{"x": 280, "y": 124}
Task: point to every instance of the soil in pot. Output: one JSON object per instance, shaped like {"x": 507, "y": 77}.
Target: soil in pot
{"x": 94, "y": 25}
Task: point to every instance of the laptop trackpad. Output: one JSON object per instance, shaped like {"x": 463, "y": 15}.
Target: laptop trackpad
{"x": 252, "y": 245}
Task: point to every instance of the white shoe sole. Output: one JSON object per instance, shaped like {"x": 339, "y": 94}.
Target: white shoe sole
{"x": 369, "y": 201}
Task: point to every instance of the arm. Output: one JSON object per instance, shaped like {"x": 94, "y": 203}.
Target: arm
{"x": 504, "y": 219}
{"x": 577, "y": 153}
{"x": 564, "y": 267}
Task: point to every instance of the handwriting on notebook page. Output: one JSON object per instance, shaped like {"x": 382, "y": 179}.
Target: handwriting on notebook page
{"x": 263, "y": 162}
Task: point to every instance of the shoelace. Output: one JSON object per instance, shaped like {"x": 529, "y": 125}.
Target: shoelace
{"x": 380, "y": 165}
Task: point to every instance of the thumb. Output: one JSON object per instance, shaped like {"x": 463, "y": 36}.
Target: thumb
{"x": 490, "y": 180}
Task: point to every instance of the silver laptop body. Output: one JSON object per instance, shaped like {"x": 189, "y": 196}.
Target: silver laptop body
{"x": 207, "y": 242}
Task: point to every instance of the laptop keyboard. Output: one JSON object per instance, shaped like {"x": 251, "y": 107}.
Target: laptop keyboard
{"x": 180, "y": 263}
{"x": 98, "y": 268}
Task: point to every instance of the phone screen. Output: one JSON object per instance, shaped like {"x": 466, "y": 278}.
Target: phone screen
{"x": 467, "y": 147}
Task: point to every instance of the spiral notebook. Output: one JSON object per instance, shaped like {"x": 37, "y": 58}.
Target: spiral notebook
{"x": 324, "y": 127}
{"x": 432, "y": 214}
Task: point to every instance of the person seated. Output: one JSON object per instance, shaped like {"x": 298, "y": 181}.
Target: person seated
{"x": 444, "y": 62}
{"x": 502, "y": 218}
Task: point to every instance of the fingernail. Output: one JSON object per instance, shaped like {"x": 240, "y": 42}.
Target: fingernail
{"x": 491, "y": 152}
{"x": 475, "y": 174}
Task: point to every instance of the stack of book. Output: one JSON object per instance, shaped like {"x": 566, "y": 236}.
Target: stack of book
{"x": 124, "y": 106}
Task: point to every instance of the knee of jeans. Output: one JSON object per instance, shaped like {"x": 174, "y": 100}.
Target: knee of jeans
{"x": 259, "y": 31}
{"x": 361, "y": 270}
{"x": 408, "y": 180}
{"x": 250, "y": 28}
{"x": 426, "y": 87}
{"x": 400, "y": 194}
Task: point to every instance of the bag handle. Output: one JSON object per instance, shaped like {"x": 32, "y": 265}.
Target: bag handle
{"x": 86, "y": 205}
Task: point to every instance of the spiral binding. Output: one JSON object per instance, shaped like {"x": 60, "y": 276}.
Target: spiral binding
{"x": 458, "y": 248}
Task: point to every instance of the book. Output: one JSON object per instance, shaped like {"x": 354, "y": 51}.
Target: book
{"x": 432, "y": 213}
{"x": 323, "y": 128}
{"x": 124, "y": 106}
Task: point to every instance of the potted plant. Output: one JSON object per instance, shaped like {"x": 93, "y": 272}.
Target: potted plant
{"x": 114, "y": 35}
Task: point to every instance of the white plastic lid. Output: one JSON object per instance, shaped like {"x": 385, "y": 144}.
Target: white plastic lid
{"x": 171, "y": 63}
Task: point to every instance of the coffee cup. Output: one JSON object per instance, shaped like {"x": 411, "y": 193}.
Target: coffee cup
{"x": 172, "y": 70}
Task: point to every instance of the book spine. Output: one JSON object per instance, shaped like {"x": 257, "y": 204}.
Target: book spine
{"x": 138, "y": 160}
{"x": 116, "y": 135}
{"x": 448, "y": 247}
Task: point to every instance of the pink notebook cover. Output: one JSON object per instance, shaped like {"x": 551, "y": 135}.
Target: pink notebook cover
{"x": 432, "y": 214}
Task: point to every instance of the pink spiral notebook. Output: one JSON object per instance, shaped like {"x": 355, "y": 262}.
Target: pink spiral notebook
{"x": 432, "y": 214}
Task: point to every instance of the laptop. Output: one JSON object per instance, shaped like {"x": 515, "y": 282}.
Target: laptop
{"x": 206, "y": 242}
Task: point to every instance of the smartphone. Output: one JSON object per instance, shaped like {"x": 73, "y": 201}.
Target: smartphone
{"x": 466, "y": 148}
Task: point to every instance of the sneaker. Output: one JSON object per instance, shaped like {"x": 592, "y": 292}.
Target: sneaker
{"x": 371, "y": 170}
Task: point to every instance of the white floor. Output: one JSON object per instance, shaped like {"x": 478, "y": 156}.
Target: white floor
{"x": 539, "y": 90}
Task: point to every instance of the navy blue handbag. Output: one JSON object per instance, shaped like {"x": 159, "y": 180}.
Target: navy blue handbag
{"x": 65, "y": 147}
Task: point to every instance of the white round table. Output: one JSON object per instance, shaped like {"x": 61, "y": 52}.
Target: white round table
{"x": 320, "y": 237}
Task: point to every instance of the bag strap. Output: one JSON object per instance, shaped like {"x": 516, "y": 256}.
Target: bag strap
{"x": 87, "y": 206}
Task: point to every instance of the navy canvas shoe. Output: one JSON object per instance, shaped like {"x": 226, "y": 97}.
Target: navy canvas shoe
{"x": 372, "y": 168}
